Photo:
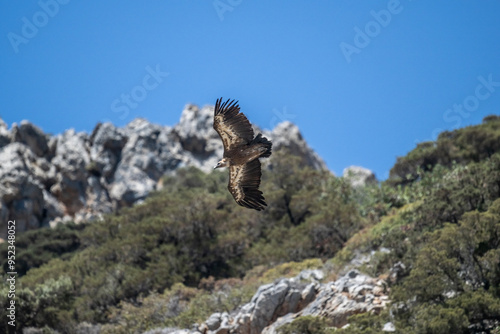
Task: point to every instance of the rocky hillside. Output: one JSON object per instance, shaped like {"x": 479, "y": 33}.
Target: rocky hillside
{"x": 277, "y": 304}
{"x": 418, "y": 253}
{"x": 78, "y": 176}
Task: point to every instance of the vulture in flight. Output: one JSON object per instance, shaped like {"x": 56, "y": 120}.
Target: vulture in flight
{"x": 241, "y": 154}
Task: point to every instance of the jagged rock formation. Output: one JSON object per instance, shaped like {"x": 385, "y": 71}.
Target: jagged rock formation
{"x": 279, "y": 303}
{"x": 359, "y": 176}
{"x": 76, "y": 176}
{"x": 287, "y": 134}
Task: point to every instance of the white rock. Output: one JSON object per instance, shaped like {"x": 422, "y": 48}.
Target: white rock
{"x": 77, "y": 176}
{"x": 287, "y": 134}
{"x": 359, "y": 176}
{"x": 5, "y": 136}
{"x": 389, "y": 327}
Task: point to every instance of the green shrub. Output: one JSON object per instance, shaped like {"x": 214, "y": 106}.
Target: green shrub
{"x": 37, "y": 247}
{"x": 306, "y": 325}
{"x": 469, "y": 144}
{"x": 437, "y": 319}
{"x": 365, "y": 323}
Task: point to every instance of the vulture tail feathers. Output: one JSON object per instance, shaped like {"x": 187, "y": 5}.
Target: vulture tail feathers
{"x": 266, "y": 143}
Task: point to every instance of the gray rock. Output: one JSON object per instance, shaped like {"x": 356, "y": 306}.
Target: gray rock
{"x": 130, "y": 184}
{"x": 196, "y": 136}
{"x": 32, "y": 330}
{"x": 270, "y": 302}
{"x": 281, "y": 302}
{"x": 389, "y": 327}
{"x": 72, "y": 154}
{"x": 5, "y": 136}
{"x": 359, "y": 176}
{"x": 87, "y": 328}
{"x": 170, "y": 331}
{"x": 195, "y": 131}
{"x": 97, "y": 198}
{"x": 20, "y": 191}
{"x": 107, "y": 142}
{"x": 214, "y": 321}
{"x": 141, "y": 166}
{"x": 71, "y": 160}
{"x": 31, "y": 136}
{"x": 52, "y": 144}
{"x": 267, "y": 303}
{"x": 333, "y": 303}
{"x": 308, "y": 294}
{"x": 46, "y": 180}
{"x": 54, "y": 208}
{"x": 311, "y": 275}
{"x": 397, "y": 271}
{"x": 287, "y": 134}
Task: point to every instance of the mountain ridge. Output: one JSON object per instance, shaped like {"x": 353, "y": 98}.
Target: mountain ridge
{"x": 79, "y": 176}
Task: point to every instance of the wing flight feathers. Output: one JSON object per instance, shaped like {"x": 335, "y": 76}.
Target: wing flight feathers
{"x": 232, "y": 126}
{"x": 244, "y": 181}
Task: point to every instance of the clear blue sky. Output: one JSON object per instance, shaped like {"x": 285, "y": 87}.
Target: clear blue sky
{"x": 364, "y": 81}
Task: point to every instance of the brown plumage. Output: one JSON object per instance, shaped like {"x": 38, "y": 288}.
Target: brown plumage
{"x": 241, "y": 154}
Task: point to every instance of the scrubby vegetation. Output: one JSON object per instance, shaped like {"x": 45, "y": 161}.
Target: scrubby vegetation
{"x": 444, "y": 226}
{"x": 163, "y": 249}
{"x": 188, "y": 250}
{"x": 469, "y": 144}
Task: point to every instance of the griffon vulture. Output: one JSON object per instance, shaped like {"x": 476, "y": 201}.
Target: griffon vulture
{"x": 241, "y": 154}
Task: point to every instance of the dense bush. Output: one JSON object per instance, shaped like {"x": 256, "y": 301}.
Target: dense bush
{"x": 37, "y": 247}
{"x": 306, "y": 325}
{"x": 456, "y": 276}
{"x": 443, "y": 224}
{"x": 469, "y": 144}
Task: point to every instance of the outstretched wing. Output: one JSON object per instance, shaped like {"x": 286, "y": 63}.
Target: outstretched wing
{"x": 244, "y": 181}
{"x": 232, "y": 126}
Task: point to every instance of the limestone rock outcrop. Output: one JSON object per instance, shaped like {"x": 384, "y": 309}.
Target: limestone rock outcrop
{"x": 279, "y": 303}
{"x": 359, "y": 176}
{"x": 78, "y": 176}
